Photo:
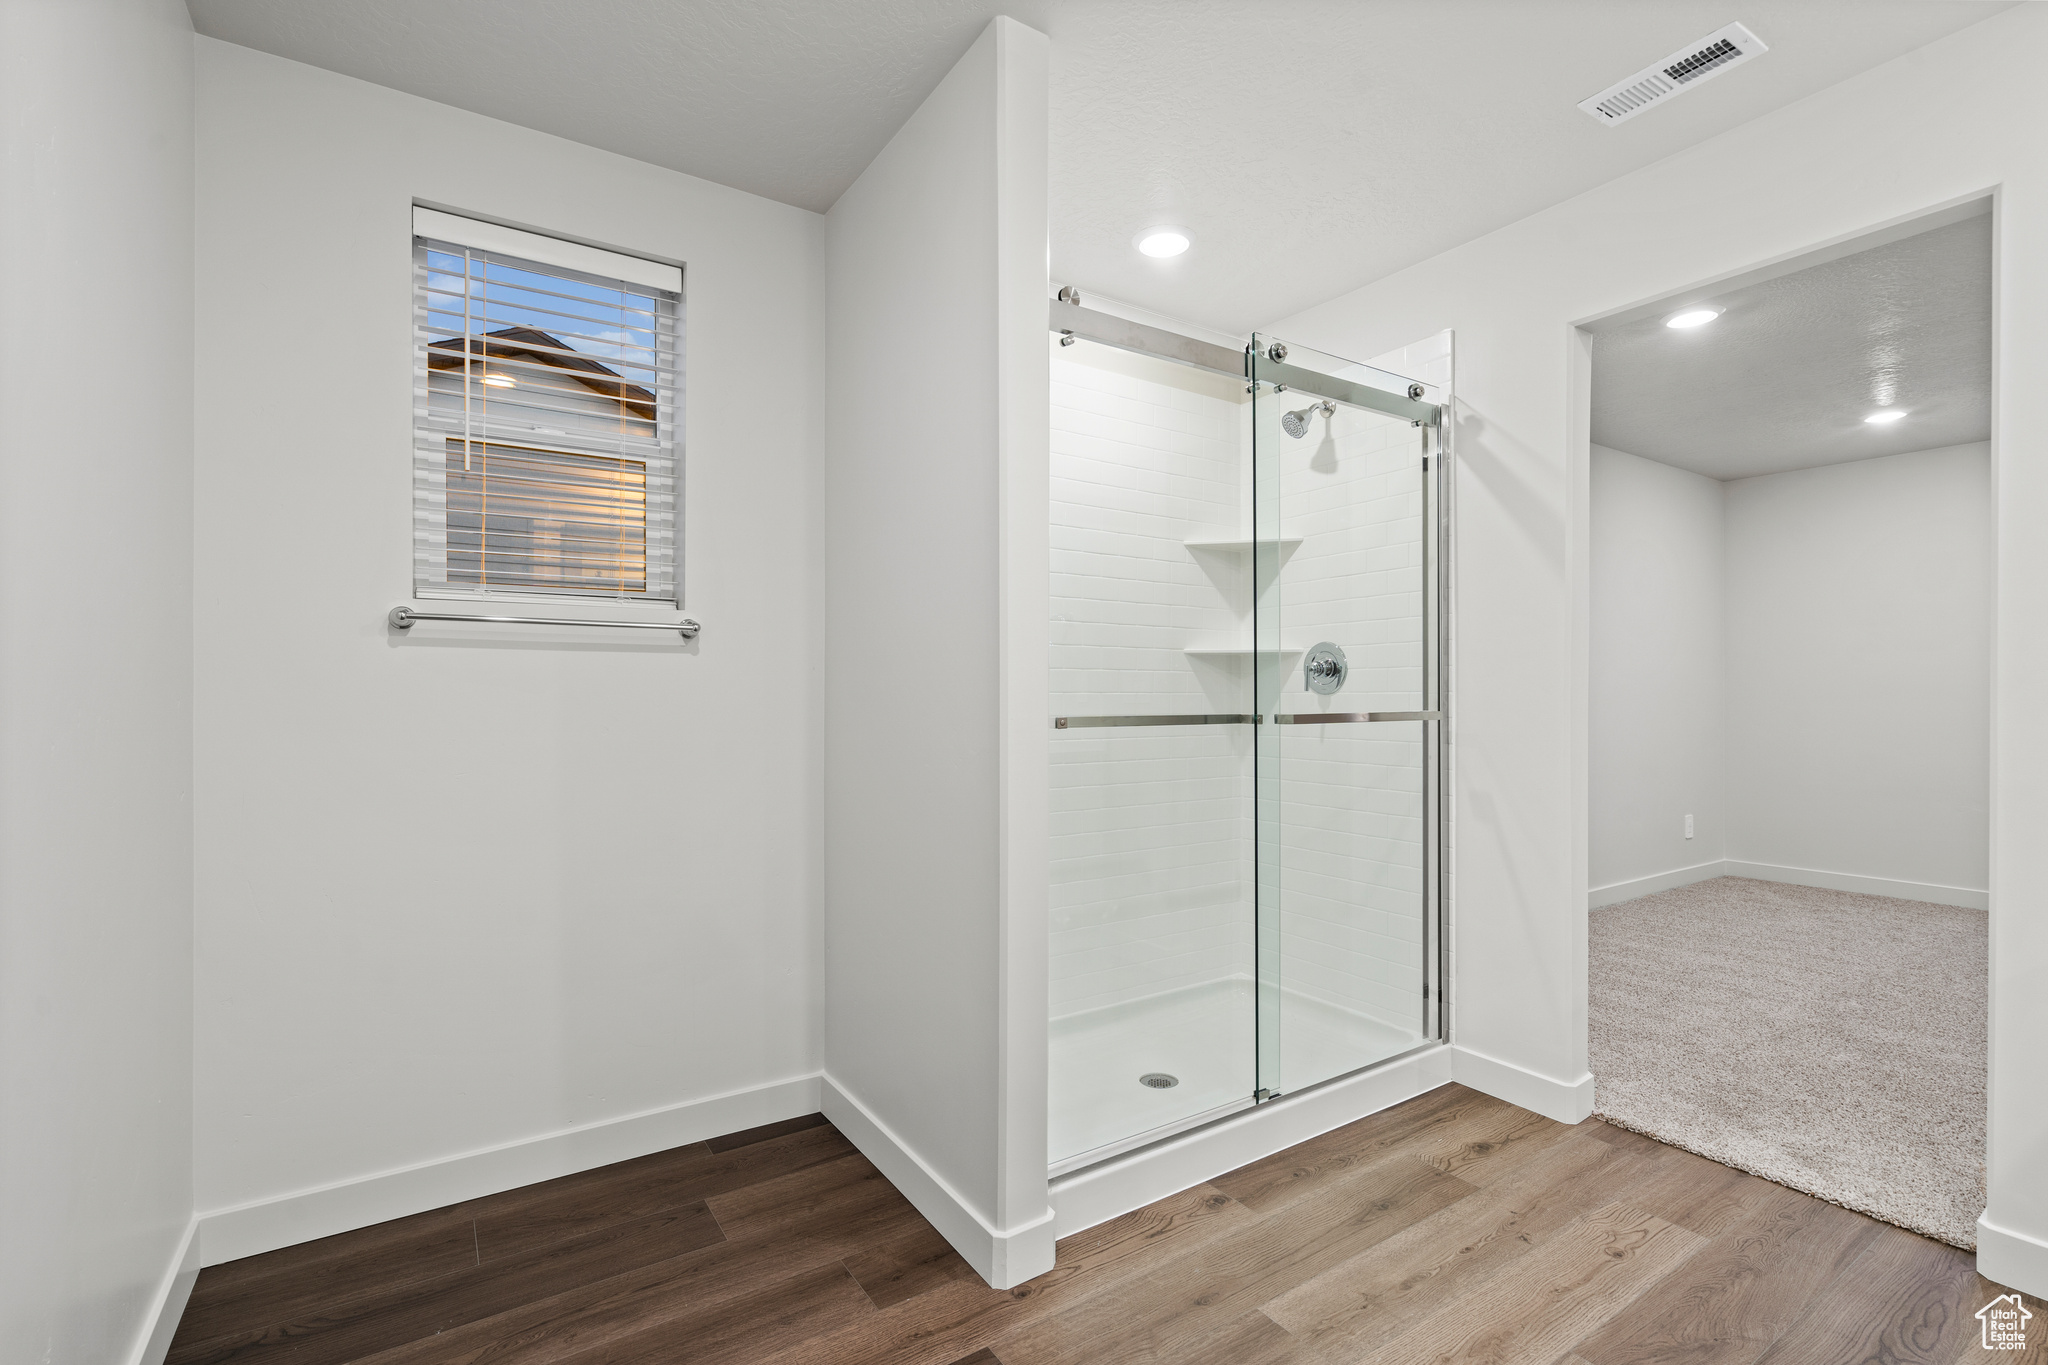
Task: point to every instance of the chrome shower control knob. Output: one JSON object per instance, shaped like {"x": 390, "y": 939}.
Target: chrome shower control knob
{"x": 1324, "y": 669}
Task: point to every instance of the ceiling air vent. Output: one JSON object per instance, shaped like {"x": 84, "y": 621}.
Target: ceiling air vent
{"x": 1682, "y": 70}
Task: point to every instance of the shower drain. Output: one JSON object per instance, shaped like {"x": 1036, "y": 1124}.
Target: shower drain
{"x": 1158, "y": 1080}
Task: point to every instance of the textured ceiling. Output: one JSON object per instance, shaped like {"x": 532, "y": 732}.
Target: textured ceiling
{"x": 1315, "y": 147}
{"x": 1310, "y": 146}
{"x": 1785, "y": 376}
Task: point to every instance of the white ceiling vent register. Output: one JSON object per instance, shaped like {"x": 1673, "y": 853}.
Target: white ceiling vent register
{"x": 1681, "y": 71}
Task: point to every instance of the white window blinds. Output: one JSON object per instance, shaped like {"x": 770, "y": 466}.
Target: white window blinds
{"x": 545, "y": 411}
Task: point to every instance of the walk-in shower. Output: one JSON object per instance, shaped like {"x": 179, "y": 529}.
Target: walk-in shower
{"x": 1246, "y": 704}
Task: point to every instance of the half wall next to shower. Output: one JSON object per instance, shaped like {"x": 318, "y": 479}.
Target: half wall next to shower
{"x": 1238, "y": 907}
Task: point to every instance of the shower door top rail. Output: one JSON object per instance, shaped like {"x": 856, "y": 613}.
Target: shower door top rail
{"x": 1072, "y": 320}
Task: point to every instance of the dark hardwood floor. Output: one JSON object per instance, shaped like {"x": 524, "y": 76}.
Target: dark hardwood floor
{"x": 1454, "y": 1228}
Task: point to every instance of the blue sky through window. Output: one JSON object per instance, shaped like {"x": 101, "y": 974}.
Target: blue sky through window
{"x": 613, "y": 325}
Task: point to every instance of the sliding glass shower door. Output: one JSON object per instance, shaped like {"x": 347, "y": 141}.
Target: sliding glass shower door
{"x": 1343, "y": 497}
{"x": 1152, "y": 746}
{"x": 1244, "y": 730}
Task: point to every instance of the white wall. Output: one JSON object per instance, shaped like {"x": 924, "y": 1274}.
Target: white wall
{"x": 464, "y": 891}
{"x": 1659, "y": 671}
{"x": 1961, "y": 117}
{"x": 936, "y": 721}
{"x": 95, "y": 674}
{"x": 1859, "y": 669}
{"x": 1802, "y": 661}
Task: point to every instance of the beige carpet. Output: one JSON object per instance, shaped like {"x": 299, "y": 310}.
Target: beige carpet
{"x": 1827, "y": 1041}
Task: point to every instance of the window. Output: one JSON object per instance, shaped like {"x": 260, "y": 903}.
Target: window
{"x": 545, "y": 411}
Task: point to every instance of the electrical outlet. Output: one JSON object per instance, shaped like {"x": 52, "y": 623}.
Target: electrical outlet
{"x": 1688, "y": 827}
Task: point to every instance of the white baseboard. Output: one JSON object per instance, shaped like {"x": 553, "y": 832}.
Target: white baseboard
{"x": 1102, "y": 1192}
{"x": 1005, "y": 1257}
{"x": 1616, "y": 892}
{"x": 265, "y": 1225}
{"x": 1866, "y": 886}
{"x": 1564, "y": 1101}
{"x": 2012, "y": 1259}
{"x": 160, "y": 1324}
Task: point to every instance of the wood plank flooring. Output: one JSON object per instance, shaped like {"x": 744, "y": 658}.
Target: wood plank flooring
{"x": 1452, "y": 1228}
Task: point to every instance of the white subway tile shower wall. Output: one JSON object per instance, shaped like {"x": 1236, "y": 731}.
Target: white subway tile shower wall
{"x": 1428, "y": 360}
{"x": 1350, "y": 828}
{"x": 1151, "y": 834}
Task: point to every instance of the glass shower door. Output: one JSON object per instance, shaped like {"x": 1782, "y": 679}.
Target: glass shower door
{"x": 1244, "y": 728}
{"x": 1345, "y": 589}
{"x": 1152, "y": 747}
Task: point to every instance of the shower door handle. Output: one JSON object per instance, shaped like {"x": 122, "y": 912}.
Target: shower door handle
{"x": 1093, "y": 722}
{"x": 1354, "y": 717}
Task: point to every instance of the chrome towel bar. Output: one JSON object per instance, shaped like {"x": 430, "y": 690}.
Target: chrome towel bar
{"x": 1354, "y": 717}
{"x": 1088, "y": 722}
{"x": 402, "y": 618}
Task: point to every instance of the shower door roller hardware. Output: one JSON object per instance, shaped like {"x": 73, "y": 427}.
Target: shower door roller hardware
{"x": 1415, "y": 392}
{"x": 1069, "y": 294}
{"x": 1325, "y": 669}
{"x": 1277, "y": 352}
{"x": 1067, "y": 339}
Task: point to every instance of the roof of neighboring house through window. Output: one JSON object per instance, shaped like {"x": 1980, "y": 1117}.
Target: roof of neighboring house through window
{"x": 532, "y": 344}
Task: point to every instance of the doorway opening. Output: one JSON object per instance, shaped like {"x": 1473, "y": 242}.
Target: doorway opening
{"x": 1791, "y": 607}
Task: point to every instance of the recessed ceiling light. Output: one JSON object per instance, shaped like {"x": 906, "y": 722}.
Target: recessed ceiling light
{"x": 1692, "y": 317}
{"x": 1886, "y": 415}
{"x": 1162, "y": 241}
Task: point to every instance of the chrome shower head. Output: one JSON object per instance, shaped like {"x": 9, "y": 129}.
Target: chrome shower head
{"x": 1296, "y": 423}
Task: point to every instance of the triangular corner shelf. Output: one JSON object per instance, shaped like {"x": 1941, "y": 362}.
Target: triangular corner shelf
{"x": 1239, "y": 651}
{"x": 1241, "y": 545}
